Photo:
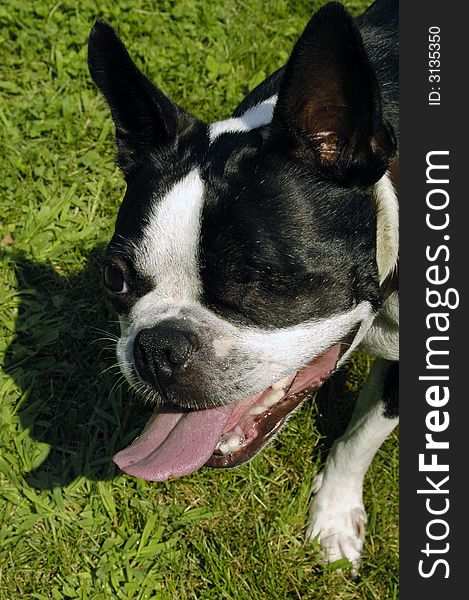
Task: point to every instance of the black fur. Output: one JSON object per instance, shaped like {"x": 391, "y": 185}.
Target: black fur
{"x": 289, "y": 218}
{"x": 147, "y": 121}
{"x": 328, "y": 111}
{"x": 288, "y": 224}
{"x": 162, "y": 169}
{"x": 264, "y": 211}
{"x": 391, "y": 392}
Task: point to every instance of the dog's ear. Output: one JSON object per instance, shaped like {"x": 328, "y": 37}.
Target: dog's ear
{"x": 144, "y": 117}
{"x": 329, "y": 104}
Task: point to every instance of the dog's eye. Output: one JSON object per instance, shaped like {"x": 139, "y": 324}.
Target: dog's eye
{"x": 114, "y": 279}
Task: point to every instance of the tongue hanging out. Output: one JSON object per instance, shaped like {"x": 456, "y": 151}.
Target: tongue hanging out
{"x": 174, "y": 444}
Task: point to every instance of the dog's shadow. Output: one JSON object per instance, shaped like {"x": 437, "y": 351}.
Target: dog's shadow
{"x": 65, "y": 366}
{"x": 66, "y": 373}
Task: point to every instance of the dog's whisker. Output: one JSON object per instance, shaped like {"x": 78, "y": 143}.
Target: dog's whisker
{"x": 104, "y": 339}
{"x": 110, "y": 348}
{"x": 117, "y": 385}
{"x": 107, "y": 369}
{"x": 110, "y": 334}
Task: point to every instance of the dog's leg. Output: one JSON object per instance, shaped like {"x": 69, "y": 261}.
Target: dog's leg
{"x": 337, "y": 516}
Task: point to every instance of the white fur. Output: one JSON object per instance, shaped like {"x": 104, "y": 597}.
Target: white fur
{"x": 337, "y": 516}
{"x": 387, "y": 227}
{"x": 305, "y": 341}
{"x": 268, "y": 354}
{"x": 258, "y": 115}
{"x": 382, "y": 339}
{"x": 168, "y": 252}
{"x": 169, "y": 255}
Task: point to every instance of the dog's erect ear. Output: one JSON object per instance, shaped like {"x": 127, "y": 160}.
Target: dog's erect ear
{"x": 144, "y": 117}
{"x": 329, "y": 104}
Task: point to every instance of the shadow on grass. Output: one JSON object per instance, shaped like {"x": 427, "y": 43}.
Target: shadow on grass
{"x": 335, "y": 403}
{"x": 57, "y": 361}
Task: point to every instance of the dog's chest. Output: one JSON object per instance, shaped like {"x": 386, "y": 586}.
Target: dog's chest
{"x": 382, "y": 339}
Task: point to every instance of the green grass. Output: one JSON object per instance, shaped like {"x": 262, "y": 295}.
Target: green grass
{"x": 72, "y": 525}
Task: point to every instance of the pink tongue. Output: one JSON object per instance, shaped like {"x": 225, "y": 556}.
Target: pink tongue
{"x": 174, "y": 444}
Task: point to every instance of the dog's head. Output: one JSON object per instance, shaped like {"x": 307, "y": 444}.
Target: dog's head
{"x": 243, "y": 264}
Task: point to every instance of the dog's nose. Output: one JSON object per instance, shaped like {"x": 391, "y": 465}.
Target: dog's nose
{"x": 162, "y": 351}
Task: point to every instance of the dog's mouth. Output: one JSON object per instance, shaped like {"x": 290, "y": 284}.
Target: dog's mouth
{"x": 174, "y": 444}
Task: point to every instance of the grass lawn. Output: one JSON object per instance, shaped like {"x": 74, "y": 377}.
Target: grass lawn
{"x": 72, "y": 525}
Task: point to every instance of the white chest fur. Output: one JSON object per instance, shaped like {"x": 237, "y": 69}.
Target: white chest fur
{"x": 382, "y": 339}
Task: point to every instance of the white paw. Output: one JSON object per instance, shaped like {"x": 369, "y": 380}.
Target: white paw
{"x": 337, "y": 522}
{"x": 317, "y": 483}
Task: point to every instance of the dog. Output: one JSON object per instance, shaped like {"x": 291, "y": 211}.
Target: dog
{"x": 253, "y": 255}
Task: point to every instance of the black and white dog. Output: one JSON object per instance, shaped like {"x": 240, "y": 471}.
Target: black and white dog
{"x": 253, "y": 255}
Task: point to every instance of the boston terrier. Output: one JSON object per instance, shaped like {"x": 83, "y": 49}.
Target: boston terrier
{"x": 251, "y": 256}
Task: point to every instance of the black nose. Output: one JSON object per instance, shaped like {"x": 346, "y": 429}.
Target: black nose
{"x": 162, "y": 351}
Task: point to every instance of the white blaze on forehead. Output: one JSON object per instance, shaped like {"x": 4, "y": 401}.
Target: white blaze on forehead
{"x": 168, "y": 251}
{"x": 258, "y": 115}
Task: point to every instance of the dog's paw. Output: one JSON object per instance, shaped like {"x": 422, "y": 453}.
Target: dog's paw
{"x": 338, "y": 523}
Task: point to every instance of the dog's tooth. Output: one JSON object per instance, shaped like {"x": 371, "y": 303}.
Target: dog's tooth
{"x": 225, "y": 448}
{"x": 257, "y": 410}
{"x": 271, "y": 398}
{"x": 234, "y": 442}
{"x": 281, "y": 383}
